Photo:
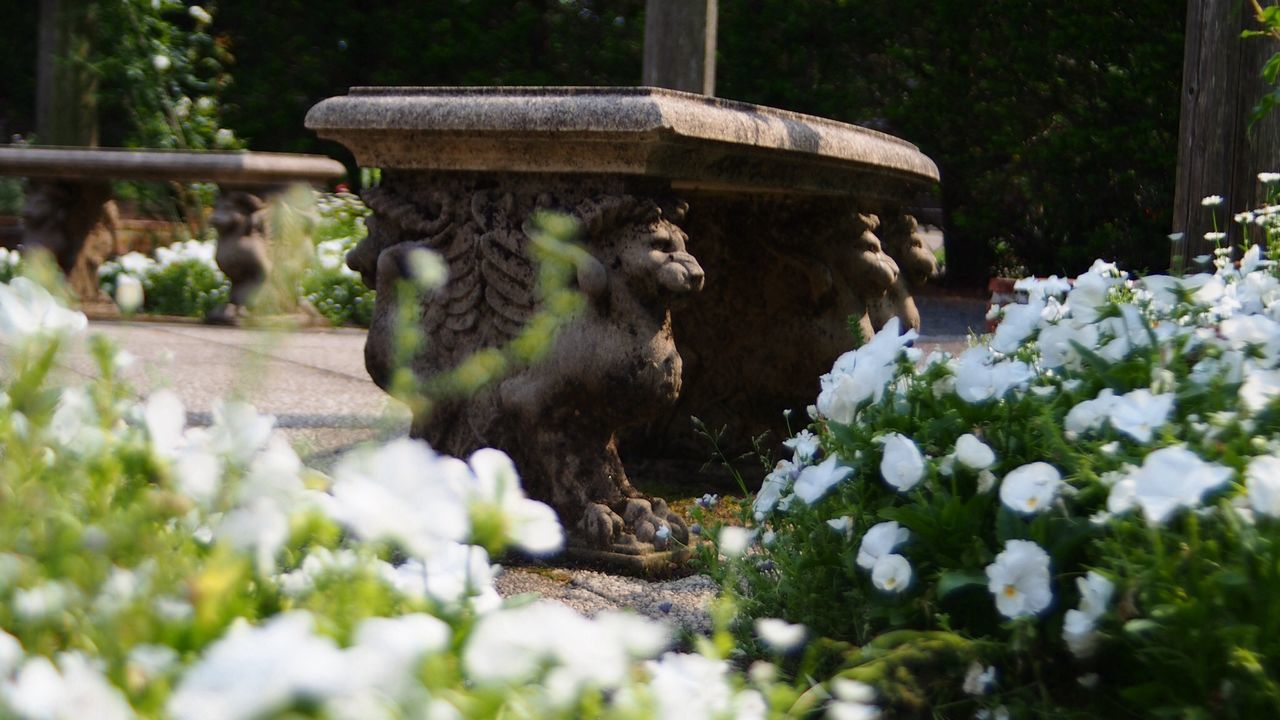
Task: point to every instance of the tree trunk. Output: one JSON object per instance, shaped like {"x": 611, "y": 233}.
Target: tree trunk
{"x": 66, "y": 86}
{"x": 1220, "y": 152}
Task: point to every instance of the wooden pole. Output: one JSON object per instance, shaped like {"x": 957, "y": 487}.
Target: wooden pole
{"x": 1220, "y": 152}
{"x": 680, "y": 45}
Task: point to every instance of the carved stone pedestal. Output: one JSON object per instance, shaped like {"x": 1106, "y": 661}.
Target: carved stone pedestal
{"x": 793, "y": 223}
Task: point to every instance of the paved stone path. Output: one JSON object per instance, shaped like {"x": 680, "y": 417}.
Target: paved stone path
{"x": 315, "y": 385}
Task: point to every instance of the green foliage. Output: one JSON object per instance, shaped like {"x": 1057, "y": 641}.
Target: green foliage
{"x": 1268, "y": 19}
{"x": 151, "y": 569}
{"x": 1128, "y": 432}
{"x": 11, "y": 196}
{"x": 1055, "y": 131}
{"x": 188, "y": 287}
{"x": 333, "y": 289}
{"x": 162, "y": 74}
{"x": 181, "y": 280}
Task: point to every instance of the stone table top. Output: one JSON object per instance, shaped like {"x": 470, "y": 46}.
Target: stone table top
{"x": 233, "y": 167}
{"x": 693, "y": 141}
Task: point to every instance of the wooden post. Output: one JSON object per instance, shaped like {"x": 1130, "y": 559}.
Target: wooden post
{"x": 1219, "y": 151}
{"x": 680, "y": 45}
{"x": 66, "y": 87}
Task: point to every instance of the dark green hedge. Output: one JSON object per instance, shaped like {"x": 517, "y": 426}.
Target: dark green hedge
{"x": 1054, "y": 125}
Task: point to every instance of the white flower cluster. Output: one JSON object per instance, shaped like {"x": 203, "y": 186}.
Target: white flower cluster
{"x": 29, "y": 313}
{"x": 1219, "y": 329}
{"x": 235, "y": 495}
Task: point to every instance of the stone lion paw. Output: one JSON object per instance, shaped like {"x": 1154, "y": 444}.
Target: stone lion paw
{"x": 651, "y": 521}
{"x": 601, "y": 526}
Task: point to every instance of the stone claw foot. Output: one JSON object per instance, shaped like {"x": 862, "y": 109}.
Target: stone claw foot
{"x": 229, "y": 314}
{"x": 635, "y": 524}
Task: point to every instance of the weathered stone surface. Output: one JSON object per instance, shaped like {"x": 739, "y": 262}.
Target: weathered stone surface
{"x": 71, "y": 222}
{"x": 240, "y": 168}
{"x": 692, "y": 141}
{"x": 240, "y": 219}
{"x": 784, "y": 217}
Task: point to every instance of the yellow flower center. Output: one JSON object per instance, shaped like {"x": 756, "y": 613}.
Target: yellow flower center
{"x": 1032, "y": 502}
{"x": 1010, "y": 591}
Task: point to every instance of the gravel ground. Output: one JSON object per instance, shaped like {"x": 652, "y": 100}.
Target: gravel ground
{"x": 682, "y": 603}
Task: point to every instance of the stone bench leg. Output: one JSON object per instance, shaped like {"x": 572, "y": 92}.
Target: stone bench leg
{"x": 75, "y": 222}
{"x": 787, "y": 279}
{"x": 613, "y": 364}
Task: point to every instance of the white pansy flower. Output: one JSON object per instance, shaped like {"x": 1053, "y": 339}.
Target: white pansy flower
{"x": 979, "y": 377}
{"x": 43, "y": 601}
{"x": 804, "y": 445}
{"x": 902, "y": 465}
{"x": 780, "y": 635}
{"x": 11, "y": 653}
{"x": 238, "y": 432}
{"x": 1090, "y": 296}
{"x": 853, "y": 700}
{"x": 386, "y": 651}
{"x": 28, "y": 311}
{"x": 880, "y": 540}
{"x": 403, "y": 492}
{"x": 891, "y": 573}
{"x": 986, "y": 481}
{"x": 530, "y": 525}
{"x": 690, "y": 686}
{"x": 1018, "y": 323}
{"x": 129, "y": 294}
{"x": 1090, "y": 414}
{"x": 1079, "y": 625}
{"x": 842, "y": 525}
{"x": 816, "y": 480}
{"x": 734, "y": 540}
{"x": 1170, "y": 478}
{"x": 775, "y": 484}
{"x": 1043, "y": 288}
{"x": 255, "y": 671}
{"x": 1140, "y": 413}
{"x": 1030, "y": 488}
{"x": 1019, "y": 579}
{"x": 862, "y": 374}
{"x": 1252, "y": 331}
{"x": 165, "y": 418}
{"x": 973, "y": 453}
{"x": 1262, "y": 481}
{"x": 200, "y": 15}
{"x": 457, "y": 574}
{"x": 978, "y": 680}
{"x": 1260, "y": 388}
{"x": 75, "y": 688}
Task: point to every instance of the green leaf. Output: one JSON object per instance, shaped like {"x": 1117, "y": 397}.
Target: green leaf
{"x": 952, "y": 580}
{"x": 1140, "y": 626}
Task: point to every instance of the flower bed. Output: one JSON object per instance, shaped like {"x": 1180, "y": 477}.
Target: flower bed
{"x": 152, "y": 569}
{"x": 184, "y": 280}
{"x": 1076, "y": 518}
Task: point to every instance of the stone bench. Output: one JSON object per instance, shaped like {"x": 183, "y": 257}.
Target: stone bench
{"x": 795, "y": 224}
{"x": 69, "y": 192}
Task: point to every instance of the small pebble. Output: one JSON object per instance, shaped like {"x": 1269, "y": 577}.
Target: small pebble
{"x": 665, "y": 606}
